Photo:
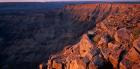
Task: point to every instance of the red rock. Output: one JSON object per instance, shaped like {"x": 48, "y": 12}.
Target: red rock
{"x": 92, "y": 66}
{"x": 138, "y": 25}
{"x": 114, "y": 61}
{"x": 102, "y": 41}
{"x": 133, "y": 55}
{"x": 76, "y": 64}
{"x": 85, "y": 46}
{"x": 81, "y": 64}
{"x": 114, "y": 56}
{"x": 40, "y": 66}
{"x": 103, "y": 26}
{"x": 136, "y": 44}
{"x": 125, "y": 64}
{"x": 57, "y": 65}
{"x": 131, "y": 60}
{"x": 122, "y": 35}
{"x": 136, "y": 66}
{"x": 73, "y": 65}
{"x": 110, "y": 45}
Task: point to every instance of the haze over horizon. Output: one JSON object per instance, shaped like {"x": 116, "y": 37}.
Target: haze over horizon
{"x": 62, "y": 0}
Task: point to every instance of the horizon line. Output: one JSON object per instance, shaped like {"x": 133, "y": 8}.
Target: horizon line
{"x": 66, "y": 1}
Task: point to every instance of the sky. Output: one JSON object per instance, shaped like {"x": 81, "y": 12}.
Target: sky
{"x": 57, "y": 0}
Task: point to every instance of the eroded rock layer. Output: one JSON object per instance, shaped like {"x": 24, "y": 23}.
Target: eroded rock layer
{"x": 113, "y": 44}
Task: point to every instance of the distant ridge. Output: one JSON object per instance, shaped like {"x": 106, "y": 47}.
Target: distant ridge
{"x": 50, "y": 5}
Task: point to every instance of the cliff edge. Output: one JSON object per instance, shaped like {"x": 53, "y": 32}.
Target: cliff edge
{"x": 114, "y": 43}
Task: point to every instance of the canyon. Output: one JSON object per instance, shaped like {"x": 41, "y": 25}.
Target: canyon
{"x": 111, "y": 43}
{"x": 77, "y": 36}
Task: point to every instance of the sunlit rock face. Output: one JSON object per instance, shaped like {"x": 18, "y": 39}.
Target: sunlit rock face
{"x": 83, "y": 55}
{"x": 112, "y": 44}
{"x": 80, "y": 36}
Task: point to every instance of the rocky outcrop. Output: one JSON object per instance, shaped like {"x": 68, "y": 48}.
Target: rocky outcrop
{"x": 29, "y": 37}
{"x": 112, "y": 44}
{"x": 89, "y": 12}
{"x": 122, "y": 35}
{"x": 87, "y": 54}
{"x": 80, "y": 56}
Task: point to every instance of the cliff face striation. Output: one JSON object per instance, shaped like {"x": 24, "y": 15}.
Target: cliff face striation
{"x": 113, "y": 43}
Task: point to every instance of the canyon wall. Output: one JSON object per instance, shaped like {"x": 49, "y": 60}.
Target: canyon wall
{"x": 113, "y": 43}
{"x": 80, "y": 35}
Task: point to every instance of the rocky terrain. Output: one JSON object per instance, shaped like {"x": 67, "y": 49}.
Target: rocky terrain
{"x": 81, "y": 36}
{"x": 112, "y": 42}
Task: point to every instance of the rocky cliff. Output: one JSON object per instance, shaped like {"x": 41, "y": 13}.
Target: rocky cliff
{"x": 113, "y": 43}
{"x": 101, "y": 35}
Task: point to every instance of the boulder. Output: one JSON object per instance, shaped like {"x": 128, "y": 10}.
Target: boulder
{"x": 122, "y": 35}
{"x": 85, "y": 46}
{"x": 86, "y": 55}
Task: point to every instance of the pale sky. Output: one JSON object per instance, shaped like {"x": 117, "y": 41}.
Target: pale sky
{"x": 58, "y": 0}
